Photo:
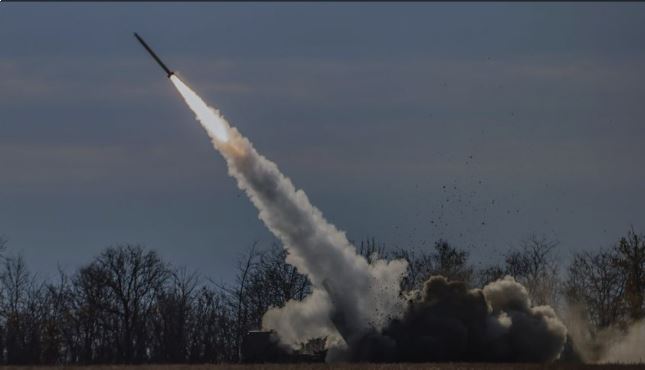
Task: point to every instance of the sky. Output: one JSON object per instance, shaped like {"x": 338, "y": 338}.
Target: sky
{"x": 479, "y": 123}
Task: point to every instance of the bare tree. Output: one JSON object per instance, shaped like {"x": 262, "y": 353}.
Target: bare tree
{"x": 170, "y": 324}
{"x": 489, "y": 274}
{"x": 122, "y": 284}
{"x": 444, "y": 259}
{"x": 273, "y": 282}
{"x": 15, "y": 281}
{"x": 629, "y": 258}
{"x": 370, "y": 249}
{"x": 264, "y": 279}
{"x": 598, "y": 285}
{"x": 127, "y": 305}
{"x": 213, "y": 329}
{"x": 58, "y": 316}
{"x": 451, "y": 262}
{"x": 610, "y": 284}
{"x": 19, "y": 307}
{"x": 534, "y": 265}
{"x": 420, "y": 267}
{"x": 237, "y": 296}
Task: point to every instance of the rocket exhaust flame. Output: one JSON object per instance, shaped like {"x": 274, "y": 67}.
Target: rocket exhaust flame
{"x": 210, "y": 118}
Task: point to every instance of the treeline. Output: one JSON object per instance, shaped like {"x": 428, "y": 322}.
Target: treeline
{"x": 129, "y": 306}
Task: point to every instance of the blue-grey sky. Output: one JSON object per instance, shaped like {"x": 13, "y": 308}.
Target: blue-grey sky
{"x": 480, "y": 123}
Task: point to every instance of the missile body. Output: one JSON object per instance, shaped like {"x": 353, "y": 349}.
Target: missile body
{"x": 152, "y": 53}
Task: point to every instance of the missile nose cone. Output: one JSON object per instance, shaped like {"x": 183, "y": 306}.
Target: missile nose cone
{"x": 154, "y": 55}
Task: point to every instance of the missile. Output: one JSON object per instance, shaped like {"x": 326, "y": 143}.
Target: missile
{"x": 152, "y": 53}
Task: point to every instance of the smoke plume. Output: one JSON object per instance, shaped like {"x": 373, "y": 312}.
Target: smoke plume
{"x": 350, "y": 296}
{"x": 446, "y": 321}
{"x": 610, "y": 345}
{"x": 629, "y": 347}
{"x": 358, "y": 305}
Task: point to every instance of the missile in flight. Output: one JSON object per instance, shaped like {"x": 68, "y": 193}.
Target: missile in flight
{"x": 152, "y": 53}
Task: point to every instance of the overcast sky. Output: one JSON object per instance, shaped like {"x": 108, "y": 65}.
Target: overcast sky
{"x": 479, "y": 123}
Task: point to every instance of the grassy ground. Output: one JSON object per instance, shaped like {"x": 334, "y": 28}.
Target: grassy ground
{"x": 429, "y": 366}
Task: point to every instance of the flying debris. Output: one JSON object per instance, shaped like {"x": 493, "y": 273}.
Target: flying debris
{"x": 168, "y": 71}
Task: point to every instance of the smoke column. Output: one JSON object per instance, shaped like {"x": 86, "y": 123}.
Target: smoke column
{"x": 350, "y": 296}
{"x": 357, "y": 305}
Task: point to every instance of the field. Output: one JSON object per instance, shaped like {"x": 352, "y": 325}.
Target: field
{"x": 436, "y": 366}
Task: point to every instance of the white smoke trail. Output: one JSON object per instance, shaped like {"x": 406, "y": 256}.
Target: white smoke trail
{"x": 350, "y": 295}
